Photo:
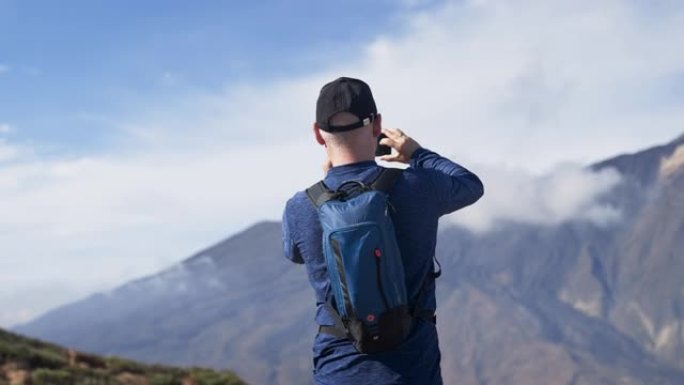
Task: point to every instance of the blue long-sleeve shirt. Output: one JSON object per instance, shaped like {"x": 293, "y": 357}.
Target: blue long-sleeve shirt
{"x": 431, "y": 187}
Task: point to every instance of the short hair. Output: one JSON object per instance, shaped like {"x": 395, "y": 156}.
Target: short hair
{"x": 345, "y": 138}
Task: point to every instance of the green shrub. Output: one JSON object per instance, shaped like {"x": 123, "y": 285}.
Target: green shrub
{"x": 32, "y": 356}
{"x": 209, "y": 377}
{"x": 50, "y": 365}
{"x": 52, "y": 377}
{"x": 46, "y": 359}
{"x": 8, "y": 350}
{"x": 93, "y": 377}
{"x": 164, "y": 379}
{"x": 120, "y": 365}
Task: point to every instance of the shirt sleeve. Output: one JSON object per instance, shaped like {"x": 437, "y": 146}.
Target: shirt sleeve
{"x": 455, "y": 187}
{"x": 290, "y": 248}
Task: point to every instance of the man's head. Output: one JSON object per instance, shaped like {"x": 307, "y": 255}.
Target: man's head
{"x": 345, "y": 95}
{"x": 346, "y": 116}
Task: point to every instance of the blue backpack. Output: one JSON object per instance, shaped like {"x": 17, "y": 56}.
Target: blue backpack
{"x": 367, "y": 292}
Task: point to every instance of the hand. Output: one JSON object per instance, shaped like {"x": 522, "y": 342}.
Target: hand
{"x": 403, "y": 145}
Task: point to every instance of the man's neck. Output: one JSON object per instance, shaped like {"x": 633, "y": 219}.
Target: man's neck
{"x": 340, "y": 159}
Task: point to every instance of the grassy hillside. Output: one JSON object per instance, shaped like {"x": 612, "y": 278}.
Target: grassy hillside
{"x": 32, "y": 362}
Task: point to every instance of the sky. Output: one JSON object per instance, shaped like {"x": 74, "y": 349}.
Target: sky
{"x": 133, "y": 134}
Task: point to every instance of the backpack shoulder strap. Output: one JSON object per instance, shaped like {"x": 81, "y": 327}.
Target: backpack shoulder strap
{"x": 386, "y": 179}
{"x": 318, "y": 194}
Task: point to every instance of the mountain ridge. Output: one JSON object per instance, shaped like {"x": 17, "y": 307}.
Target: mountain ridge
{"x": 644, "y": 164}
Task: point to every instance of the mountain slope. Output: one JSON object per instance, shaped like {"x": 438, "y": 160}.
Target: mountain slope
{"x": 574, "y": 303}
{"x": 29, "y": 361}
{"x": 222, "y": 307}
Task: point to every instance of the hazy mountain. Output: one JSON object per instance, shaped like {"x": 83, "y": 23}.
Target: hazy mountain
{"x": 236, "y": 304}
{"x": 574, "y": 303}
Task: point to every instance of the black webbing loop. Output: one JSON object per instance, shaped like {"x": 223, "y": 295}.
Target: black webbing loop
{"x": 438, "y": 273}
{"x": 431, "y": 276}
{"x": 318, "y": 194}
{"x": 386, "y": 179}
{"x": 427, "y": 315}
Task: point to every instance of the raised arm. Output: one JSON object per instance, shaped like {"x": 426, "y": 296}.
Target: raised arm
{"x": 455, "y": 187}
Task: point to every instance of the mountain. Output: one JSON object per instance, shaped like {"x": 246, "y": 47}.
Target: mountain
{"x": 29, "y": 361}
{"x": 234, "y": 305}
{"x": 576, "y": 303}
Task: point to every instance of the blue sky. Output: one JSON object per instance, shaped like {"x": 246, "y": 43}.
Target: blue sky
{"x": 69, "y": 61}
{"x": 126, "y": 127}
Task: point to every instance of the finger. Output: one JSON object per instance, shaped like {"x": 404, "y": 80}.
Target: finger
{"x": 388, "y": 142}
{"x": 391, "y": 133}
{"x": 397, "y": 133}
{"x": 388, "y": 158}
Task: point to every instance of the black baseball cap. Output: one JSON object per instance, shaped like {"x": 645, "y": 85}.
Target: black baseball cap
{"x": 345, "y": 95}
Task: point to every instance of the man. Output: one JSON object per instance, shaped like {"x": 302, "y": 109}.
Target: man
{"x": 348, "y": 126}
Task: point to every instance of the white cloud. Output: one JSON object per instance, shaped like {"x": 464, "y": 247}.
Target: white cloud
{"x": 514, "y": 88}
{"x": 98, "y": 222}
{"x": 5, "y": 128}
{"x": 7, "y": 152}
{"x": 527, "y": 84}
{"x": 4, "y": 68}
{"x": 532, "y": 83}
{"x": 21, "y": 304}
{"x": 569, "y": 192}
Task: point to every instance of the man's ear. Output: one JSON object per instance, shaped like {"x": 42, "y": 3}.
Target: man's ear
{"x": 377, "y": 126}
{"x": 317, "y": 134}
